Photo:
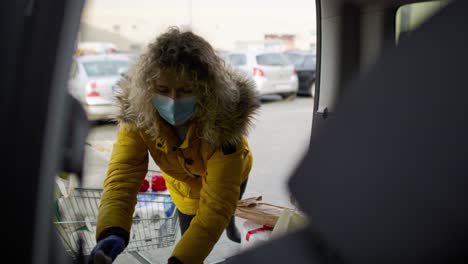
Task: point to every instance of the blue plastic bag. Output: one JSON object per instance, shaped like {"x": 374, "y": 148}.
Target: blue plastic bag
{"x": 169, "y": 206}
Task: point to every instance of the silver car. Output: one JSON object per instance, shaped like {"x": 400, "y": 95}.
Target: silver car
{"x": 92, "y": 81}
{"x": 272, "y": 72}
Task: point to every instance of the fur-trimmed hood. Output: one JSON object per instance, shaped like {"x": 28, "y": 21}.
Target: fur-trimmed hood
{"x": 226, "y": 120}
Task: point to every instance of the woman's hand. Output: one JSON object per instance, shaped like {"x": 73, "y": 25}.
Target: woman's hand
{"x": 107, "y": 250}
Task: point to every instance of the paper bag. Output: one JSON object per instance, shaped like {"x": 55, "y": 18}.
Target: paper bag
{"x": 257, "y": 212}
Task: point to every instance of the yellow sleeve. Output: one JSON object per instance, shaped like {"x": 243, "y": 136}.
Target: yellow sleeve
{"x": 127, "y": 168}
{"x": 218, "y": 201}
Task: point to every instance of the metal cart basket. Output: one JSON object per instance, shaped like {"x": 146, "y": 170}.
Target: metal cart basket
{"x": 155, "y": 221}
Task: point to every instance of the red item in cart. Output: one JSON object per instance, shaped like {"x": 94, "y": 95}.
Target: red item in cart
{"x": 144, "y": 186}
{"x": 158, "y": 184}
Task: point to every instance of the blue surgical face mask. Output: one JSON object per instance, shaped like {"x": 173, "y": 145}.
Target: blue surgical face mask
{"x": 175, "y": 112}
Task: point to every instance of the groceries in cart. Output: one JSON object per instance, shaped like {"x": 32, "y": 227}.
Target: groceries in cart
{"x": 154, "y": 224}
{"x": 150, "y": 206}
{"x": 146, "y": 207}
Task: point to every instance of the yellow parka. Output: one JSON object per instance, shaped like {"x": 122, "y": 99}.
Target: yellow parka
{"x": 202, "y": 177}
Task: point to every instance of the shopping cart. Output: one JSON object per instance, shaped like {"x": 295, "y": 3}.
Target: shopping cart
{"x": 155, "y": 221}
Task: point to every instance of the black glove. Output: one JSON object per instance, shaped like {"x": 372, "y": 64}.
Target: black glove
{"x": 107, "y": 250}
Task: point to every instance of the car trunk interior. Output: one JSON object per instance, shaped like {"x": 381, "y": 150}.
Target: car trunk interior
{"x": 45, "y": 129}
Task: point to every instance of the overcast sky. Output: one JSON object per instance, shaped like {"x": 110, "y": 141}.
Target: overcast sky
{"x": 220, "y": 21}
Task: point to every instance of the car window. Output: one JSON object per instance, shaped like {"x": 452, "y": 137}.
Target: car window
{"x": 309, "y": 61}
{"x": 296, "y": 59}
{"x": 410, "y": 16}
{"x": 272, "y": 59}
{"x": 104, "y": 67}
{"x": 237, "y": 59}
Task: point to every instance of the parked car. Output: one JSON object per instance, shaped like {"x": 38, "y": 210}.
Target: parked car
{"x": 133, "y": 56}
{"x": 92, "y": 81}
{"x": 304, "y": 63}
{"x": 95, "y": 48}
{"x": 272, "y": 72}
{"x": 221, "y": 53}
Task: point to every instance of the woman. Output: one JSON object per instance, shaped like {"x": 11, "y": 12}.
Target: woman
{"x": 192, "y": 114}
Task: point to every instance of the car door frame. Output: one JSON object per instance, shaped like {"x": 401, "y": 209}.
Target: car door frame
{"x": 44, "y": 126}
{"x": 359, "y": 30}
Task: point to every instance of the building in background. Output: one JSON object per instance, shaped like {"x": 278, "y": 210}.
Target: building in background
{"x": 287, "y": 39}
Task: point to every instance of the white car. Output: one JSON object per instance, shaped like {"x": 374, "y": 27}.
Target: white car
{"x": 96, "y": 48}
{"x": 93, "y": 81}
{"x": 272, "y": 72}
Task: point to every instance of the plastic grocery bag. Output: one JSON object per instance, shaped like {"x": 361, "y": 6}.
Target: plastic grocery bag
{"x": 68, "y": 206}
{"x": 253, "y": 234}
{"x": 150, "y": 205}
{"x": 65, "y": 183}
{"x": 289, "y": 220}
{"x": 260, "y": 213}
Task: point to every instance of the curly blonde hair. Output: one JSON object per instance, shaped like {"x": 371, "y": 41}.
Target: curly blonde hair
{"x": 215, "y": 85}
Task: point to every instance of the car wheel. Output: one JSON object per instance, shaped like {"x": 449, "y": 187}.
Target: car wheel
{"x": 289, "y": 96}
{"x": 312, "y": 89}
